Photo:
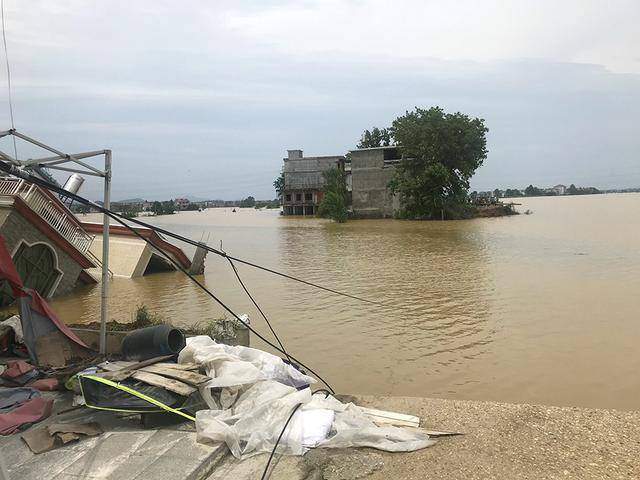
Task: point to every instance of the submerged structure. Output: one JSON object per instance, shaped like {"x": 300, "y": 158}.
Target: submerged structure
{"x": 304, "y": 181}
{"x": 132, "y": 256}
{"x": 368, "y": 172}
{"x": 54, "y": 251}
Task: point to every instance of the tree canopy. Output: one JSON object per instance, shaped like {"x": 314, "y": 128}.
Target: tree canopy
{"x": 440, "y": 153}
{"x": 278, "y": 184}
{"x": 248, "y": 202}
{"x": 377, "y": 137}
{"x": 164, "y": 208}
{"x": 532, "y": 191}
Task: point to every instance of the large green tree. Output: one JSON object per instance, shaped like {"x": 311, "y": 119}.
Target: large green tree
{"x": 440, "y": 153}
{"x": 334, "y": 201}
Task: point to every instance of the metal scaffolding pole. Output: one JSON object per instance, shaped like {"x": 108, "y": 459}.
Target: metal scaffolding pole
{"x": 104, "y": 307}
{"x": 54, "y": 163}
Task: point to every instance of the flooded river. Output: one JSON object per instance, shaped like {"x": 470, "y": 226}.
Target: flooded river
{"x": 541, "y": 308}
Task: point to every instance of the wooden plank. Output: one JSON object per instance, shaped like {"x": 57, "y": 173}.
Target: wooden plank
{"x": 121, "y": 364}
{"x": 114, "y": 366}
{"x": 192, "y": 378}
{"x": 437, "y": 433}
{"x": 180, "y": 366}
{"x": 119, "y": 375}
{"x": 391, "y": 418}
{"x": 164, "y": 382}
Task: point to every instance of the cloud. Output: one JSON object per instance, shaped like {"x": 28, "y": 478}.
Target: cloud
{"x": 204, "y": 98}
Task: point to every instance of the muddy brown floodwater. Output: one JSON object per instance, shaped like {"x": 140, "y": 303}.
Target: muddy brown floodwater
{"x": 541, "y": 308}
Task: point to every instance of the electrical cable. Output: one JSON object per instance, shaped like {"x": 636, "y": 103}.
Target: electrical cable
{"x": 246, "y": 262}
{"x": 99, "y": 208}
{"x": 4, "y": 166}
{"x": 6, "y": 57}
{"x": 220, "y": 302}
{"x": 12, "y": 170}
{"x": 273, "y": 451}
{"x": 235, "y": 270}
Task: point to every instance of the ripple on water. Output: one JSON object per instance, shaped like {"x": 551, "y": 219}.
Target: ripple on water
{"x": 498, "y": 309}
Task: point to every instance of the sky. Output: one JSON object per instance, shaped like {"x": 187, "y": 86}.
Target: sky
{"x": 203, "y": 99}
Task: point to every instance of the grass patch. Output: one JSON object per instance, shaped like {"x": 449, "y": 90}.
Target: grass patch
{"x": 220, "y": 329}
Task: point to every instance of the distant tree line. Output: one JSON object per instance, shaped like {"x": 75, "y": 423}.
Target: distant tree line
{"x": 533, "y": 191}
{"x": 167, "y": 207}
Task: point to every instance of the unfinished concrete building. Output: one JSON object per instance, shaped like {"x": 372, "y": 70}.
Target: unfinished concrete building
{"x": 371, "y": 171}
{"x": 304, "y": 182}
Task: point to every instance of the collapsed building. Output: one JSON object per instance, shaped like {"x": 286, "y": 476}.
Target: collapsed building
{"x": 368, "y": 173}
{"x": 49, "y": 246}
{"x": 54, "y": 251}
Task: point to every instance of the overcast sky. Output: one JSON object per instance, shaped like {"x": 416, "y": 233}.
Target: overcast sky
{"x": 204, "y": 98}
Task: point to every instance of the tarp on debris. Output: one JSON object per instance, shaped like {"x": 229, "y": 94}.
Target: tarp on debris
{"x": 38, "y": 320}
{"x": 30, "y": 410}
{"x": 252, "y": 393}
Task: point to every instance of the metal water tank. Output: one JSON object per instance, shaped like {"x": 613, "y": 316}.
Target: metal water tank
{"x": 73, "y": 183}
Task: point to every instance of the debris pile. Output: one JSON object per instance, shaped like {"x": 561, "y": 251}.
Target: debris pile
{"x": 252, "y": 394}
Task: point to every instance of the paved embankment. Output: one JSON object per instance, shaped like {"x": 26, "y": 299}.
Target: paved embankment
{"x": 501, "y": 441}
{"x": 126, "y": 451}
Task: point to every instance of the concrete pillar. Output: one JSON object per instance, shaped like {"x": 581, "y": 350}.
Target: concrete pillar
{"x": 197, "y": 264}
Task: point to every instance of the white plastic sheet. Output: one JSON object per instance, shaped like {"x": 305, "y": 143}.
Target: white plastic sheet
{"x": 254, "y": 395}
{"x": 232, "y": 366}
{"x": 16, "y": 325}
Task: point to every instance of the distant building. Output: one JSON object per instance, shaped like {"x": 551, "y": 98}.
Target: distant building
{"x": 304, "y": 182}
{"x": 130, "y": 204}
{"x": 559, "y": 189}
{"x": 371, "y": 171}
{"x": 181, "y": 203}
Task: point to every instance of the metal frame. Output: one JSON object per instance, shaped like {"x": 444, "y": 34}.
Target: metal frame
{"x": 55, "y": 163}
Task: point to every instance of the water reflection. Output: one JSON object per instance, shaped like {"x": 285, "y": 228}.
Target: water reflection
{"x": 434, "y": 278}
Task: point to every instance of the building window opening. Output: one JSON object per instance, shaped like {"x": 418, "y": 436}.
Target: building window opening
{"x": 287, "y": 197}
{"x": 298, "y": 197}
{"x": 308, "y": 197}
{"x": 36, "y": 266}
{"x": 391, "y": 154}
